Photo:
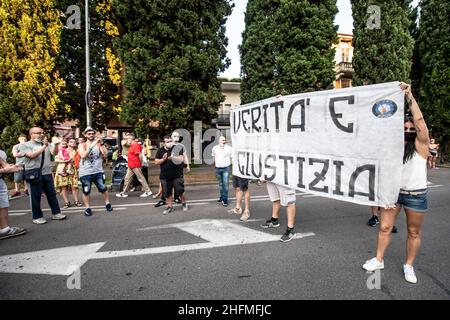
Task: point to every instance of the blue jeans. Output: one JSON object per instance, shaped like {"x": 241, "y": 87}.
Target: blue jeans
{"x": 46, "y": 185}
{"x": 222, "y": 175}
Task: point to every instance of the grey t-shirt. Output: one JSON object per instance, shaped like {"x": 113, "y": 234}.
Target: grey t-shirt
{"x": 20, "y": 160}
{"x": 92, "y": 164}
{"x": 36, "y": 162}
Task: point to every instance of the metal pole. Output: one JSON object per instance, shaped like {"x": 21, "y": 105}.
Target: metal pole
{"x": 88, "y": 81}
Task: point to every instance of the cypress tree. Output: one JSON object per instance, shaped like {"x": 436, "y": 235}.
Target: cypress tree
{"x": 287, "y": 47}
{"x": 434, "y": 53}
{"x": 383, "y": 52}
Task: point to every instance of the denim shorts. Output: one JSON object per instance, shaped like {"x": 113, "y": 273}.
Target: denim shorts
{"x": 18, "y": 176}
{"x": 97, "y": 178}
{"x": 416, "y": 203}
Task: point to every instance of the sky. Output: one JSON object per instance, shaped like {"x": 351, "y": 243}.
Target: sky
{"x": 235, "y": 26}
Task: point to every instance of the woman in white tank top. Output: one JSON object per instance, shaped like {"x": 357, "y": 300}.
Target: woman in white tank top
{"x": 413, "y": 192}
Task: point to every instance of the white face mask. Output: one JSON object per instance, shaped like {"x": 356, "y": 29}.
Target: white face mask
{"x": 38, "y": 140}
{"x": 175, "y": 138}
{"x": 169, "y": 145}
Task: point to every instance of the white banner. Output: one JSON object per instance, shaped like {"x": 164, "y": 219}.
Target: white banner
{"x": 345, "y": 144}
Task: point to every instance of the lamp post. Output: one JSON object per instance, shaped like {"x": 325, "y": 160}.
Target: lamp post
{"x": 88, "y": 97}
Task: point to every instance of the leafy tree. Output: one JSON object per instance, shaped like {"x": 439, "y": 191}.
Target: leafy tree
{"x": 287, "y": 47}
{"x": 173, "y": 51}
{"x": 434, "y": 53}
{"x": 105, "y": 67}
{"x": 382, "y": 52}
{"x": 30, "y": 85}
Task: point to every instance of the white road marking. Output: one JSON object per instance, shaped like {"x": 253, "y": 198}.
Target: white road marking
{"x": 60, "y": 261}
{"x": 218, "y": 233}
{"x": 141, "y": 204}
{"x": 434, "y": 186}
{"x": 62, "y": 211}
{"x": 66, "y": 260}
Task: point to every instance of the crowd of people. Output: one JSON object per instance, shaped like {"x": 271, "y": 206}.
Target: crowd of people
{"x": 82, "y": 161}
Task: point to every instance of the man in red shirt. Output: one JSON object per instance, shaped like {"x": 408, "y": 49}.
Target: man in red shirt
{"x": 134, "y": 168}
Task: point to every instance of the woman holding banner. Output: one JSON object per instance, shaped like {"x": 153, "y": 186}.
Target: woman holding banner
{"x": 413, "y": 192}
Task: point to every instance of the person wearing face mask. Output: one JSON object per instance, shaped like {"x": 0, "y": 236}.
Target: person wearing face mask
{"x": 171, "y": 162}
{"x": 37, "y": 153}
{"x": 413, "y": 191}
{"x": 176, "y": 143}
{"x": 222, "y": 154}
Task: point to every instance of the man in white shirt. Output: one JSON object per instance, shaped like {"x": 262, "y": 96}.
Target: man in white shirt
{"x": 222, "y": 154}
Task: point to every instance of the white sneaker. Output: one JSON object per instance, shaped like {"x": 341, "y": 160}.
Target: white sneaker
{"x": 146, "y": 194}
{"x": 58, "y": 216}
{"x": 373, "y": 264}
{"x": 121, "y": 195}
{"x": 40, "y": 221}
{"x": 410, "y": 275}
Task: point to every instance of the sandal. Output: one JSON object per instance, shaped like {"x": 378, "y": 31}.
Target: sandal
{"x": 66, "y": 205}
{"x": 235, "y": 211}
{"x": 78, "y": 203}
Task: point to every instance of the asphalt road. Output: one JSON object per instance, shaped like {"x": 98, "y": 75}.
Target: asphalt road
{"x": 198, "y": 254}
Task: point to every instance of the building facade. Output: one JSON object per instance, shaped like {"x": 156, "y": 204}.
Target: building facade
{"x": 343, "y": 61}
{"x": 232, "y": 93}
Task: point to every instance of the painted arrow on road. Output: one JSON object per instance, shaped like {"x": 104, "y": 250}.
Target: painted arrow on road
{"x": 66, "y": 260}
{"x": 60, "y": 261}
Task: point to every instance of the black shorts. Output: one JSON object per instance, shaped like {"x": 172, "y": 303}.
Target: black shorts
{"x": 168, "y": 185}
{"x": 241, "y": 183}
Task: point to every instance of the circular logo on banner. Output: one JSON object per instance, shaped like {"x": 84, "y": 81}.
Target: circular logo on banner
{"x": 384, "y": 109}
